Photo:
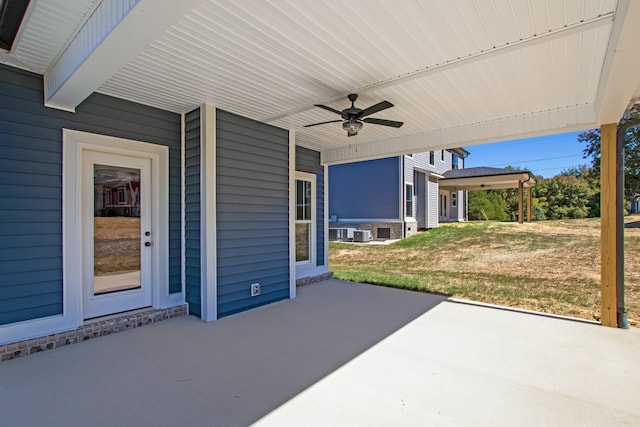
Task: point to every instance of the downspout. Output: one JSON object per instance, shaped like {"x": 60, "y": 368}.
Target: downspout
{"x": 622, "y": 315}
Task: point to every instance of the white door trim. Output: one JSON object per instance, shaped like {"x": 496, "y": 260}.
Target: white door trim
{"x": 114, "y": 302}
{"x": 75, "y": 143}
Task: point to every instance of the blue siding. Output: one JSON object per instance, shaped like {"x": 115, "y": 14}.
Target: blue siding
{"x": 31, "y": 186}
{"x": 365, "y": 189}
{"x": 192, "y": 214}
{"x": 309, "y": 161}
{"x": 252, "y": 183}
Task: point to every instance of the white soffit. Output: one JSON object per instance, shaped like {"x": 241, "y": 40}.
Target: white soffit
{"x": 49, "y": 26}
{"x": 273, "y": 60}
{"x": 459, "y": 72}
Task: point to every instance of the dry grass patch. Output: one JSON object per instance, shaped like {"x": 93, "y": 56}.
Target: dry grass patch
{"x": 550, "y": 266}
{"x": 116, "y": 245}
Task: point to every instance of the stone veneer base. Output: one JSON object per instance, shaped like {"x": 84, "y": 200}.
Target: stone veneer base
{"x": 91, "y": 329}
{"x": 314, "y": 279}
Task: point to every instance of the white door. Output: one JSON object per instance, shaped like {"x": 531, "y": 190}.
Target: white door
{"x": 117, "y": 233}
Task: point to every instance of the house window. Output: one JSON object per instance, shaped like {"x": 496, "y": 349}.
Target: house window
{"x": 121, "y": 198}
{"x": 443, "y": 205}
{"x": 454, "y": 200}
{"x": 432, "y": 158}
{"x": 408, "y": 208}
{"x": 305, "y": 213}
{"x": 442, "y": 155}
{"x": 454, "y": 161}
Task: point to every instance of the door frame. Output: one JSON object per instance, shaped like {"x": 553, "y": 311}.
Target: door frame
{"x": 75, "y": 143}
{"x": 130, "y": 299}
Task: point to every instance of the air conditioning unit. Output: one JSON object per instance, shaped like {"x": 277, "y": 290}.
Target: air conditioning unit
{"x": 362, "y": 236}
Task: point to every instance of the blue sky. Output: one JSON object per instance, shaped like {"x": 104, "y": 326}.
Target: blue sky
{"x": 545, "y": 155}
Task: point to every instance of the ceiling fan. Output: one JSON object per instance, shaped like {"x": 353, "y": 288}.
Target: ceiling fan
{"x": 353, "y": 117}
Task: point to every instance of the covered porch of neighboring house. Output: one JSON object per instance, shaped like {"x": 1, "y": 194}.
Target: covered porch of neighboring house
{"x": 487, "y": 178}
{"x": 340, "y": 354}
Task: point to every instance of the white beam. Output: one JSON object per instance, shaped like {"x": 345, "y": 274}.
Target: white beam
{"x": 570, "y": 119}
{"x": 621, "y": 71}
{"x": 113, "y": 35}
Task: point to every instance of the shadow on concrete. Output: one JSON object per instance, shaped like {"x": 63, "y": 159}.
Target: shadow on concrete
{"x": 187, "y": 372}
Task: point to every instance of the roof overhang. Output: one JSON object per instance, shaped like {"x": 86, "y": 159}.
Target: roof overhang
{"x": 459, "y": 73}
{"x": 489, "y": 182}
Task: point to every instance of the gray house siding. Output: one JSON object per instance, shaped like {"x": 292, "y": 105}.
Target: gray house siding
{"x": 252, "y": 212}
{"x": 192, "y": 212}
{"x": 353, "y": 196}
{"x": 309, "y": 161}
{"x": 31, "y": 186}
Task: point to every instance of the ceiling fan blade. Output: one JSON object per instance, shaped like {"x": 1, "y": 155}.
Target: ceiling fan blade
{"x": 383, "y": 122}
{"x": 322, "y": 123}
{"x": 333, "y": 110}
{"x": 375, "y": 108}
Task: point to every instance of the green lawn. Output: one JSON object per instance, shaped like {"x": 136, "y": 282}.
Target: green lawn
{"x": 550, "y": 266}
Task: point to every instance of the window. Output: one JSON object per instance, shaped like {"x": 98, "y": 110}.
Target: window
{"x": 305, "y": 206}
{"x": 443, "y": 205}
{"x": 454, "y": 200}
{"x": 432, "y": 158}
{"x": 408, "y": 207}
{"x": 454, "y": 161}
{"x": 442, "y": 155}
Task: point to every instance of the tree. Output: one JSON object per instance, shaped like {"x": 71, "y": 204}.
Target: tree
{"x": 564, "y": 197}
{"x": 632, "y": 154}
{"x": 487, "y": 204}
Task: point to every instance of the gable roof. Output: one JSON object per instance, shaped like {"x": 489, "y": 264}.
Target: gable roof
{"x": 459, "y": 73}
{"x": 486, "y": 178}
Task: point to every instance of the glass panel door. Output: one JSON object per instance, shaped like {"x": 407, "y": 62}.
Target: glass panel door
{"x": 116, "y": 229}
{"x": 117, "y": 233}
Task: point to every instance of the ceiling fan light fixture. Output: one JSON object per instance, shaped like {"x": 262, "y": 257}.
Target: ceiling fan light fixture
{"x": 352, "y": 126}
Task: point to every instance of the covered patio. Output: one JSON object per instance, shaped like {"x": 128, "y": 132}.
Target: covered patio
{"x": 487, "y": 178}
{"x": 340, "y": 354}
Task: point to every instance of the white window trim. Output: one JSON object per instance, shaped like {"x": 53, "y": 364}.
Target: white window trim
{"x": 73, "y": 143}
{"x": 304, "y": 176}
{"x": 413, "y": 201}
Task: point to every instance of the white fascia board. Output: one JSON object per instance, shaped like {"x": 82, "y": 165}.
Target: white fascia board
{"x": 620, "y": 76}
{"x": 542, "y": 123}
{"x": 112, "y": 36}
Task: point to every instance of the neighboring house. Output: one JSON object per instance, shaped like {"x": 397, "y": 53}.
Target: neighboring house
{"x": 396, "y": 196}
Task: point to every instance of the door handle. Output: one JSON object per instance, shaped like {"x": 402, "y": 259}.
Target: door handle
{"x": 147, "y": 243}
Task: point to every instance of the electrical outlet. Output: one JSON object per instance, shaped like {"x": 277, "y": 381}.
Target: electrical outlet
{"x": 255, "y": 289}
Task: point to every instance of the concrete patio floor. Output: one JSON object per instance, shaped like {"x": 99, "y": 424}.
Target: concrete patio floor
{"x": 339, "y": 354}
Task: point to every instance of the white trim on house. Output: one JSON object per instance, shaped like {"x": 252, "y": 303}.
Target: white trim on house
{"x": 326, "y": 219}
{"x": 411, "y": 217}
{"x": 293, "y": 271}
{"x": 183, "y": 204}
{"x": 208, "y": 234}
{"x": 305, "y": 268}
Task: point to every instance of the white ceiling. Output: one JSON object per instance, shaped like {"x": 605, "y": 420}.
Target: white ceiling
{"x": 459, "y": 72}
